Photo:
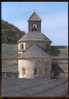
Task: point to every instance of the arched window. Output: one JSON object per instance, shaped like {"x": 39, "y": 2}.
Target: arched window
{"x": 23, "y": 71}
{"x": 34, "y": 27}
{"x": 24, "y": 46}
{"x": 21, "y": 46}
{"x": 35, "y": 71}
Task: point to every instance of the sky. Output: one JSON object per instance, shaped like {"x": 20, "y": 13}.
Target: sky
{"x": 54, "y": 16}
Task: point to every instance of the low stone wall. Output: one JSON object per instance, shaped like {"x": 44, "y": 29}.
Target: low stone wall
{"x": 9, "y": 75}
{"x": 63, "y": 64}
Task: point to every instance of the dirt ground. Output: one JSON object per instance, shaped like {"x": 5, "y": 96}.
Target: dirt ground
{"x": 34, "y": 87}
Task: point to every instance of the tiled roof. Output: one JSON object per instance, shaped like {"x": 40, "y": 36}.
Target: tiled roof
{"x": 34, "y": 17}
{"x": 35, "y": 36}
{"x": 35, "y": 52}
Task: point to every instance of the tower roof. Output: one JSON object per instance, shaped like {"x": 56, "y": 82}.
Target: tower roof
{"x": 34, "y": 17}
{"x": 35, "y": 52}
{"x": 35, "y": 36}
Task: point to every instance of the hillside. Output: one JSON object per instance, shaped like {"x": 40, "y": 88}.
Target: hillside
{"x": 10, "y": 33}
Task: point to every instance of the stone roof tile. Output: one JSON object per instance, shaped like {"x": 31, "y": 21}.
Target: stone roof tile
{"x": 34, "y": 17}
{"x": 35, "y": 36}
{"x": 35, "y": 52}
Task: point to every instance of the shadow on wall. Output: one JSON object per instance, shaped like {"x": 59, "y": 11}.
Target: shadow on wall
{"x": 56, "y": 70}
{"x": 54, "y": 51}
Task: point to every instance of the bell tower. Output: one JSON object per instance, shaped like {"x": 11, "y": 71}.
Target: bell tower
{"x": 34, "y": 23}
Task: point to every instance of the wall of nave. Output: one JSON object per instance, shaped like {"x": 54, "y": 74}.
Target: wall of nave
{"x": 33, "y": 68}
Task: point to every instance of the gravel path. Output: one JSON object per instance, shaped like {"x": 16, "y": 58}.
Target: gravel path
{"x": 34, "y": 87}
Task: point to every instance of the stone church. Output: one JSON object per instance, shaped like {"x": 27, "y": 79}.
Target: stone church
{"x": 33, "y": 59}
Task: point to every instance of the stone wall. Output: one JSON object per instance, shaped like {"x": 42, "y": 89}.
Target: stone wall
{"x": 63, "y": 64}
{"x": 9, "y": 75}
{"x": 30, "y": 24}
{"x": 43, "y": 68}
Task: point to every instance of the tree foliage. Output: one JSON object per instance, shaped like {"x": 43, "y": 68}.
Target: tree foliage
{"x": 10, "y": 33}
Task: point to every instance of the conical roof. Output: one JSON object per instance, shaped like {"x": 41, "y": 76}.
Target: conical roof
{"x": 35, "y": 36}
{"x": 35, "y": 52}
{"x": 34, "y": 17}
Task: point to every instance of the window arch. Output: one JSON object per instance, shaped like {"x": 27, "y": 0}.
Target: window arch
{"x": 23, "y": 71}
{"x": 35, "y": 71}
{"x": 21, "y": 46}
{"x": 34, "y": 27}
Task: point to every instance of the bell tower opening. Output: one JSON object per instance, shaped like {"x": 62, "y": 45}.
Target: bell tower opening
{"x": 34, "y": 23}
{"x": 34, "y": 27}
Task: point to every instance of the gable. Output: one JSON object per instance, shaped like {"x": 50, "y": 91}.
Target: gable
{"x": 35, "y": 52}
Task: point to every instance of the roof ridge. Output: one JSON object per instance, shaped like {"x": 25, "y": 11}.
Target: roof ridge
{"x": 34, "y": 16}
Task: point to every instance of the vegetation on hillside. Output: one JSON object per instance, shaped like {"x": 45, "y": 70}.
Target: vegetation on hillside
{"x": 10, "y": 33}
